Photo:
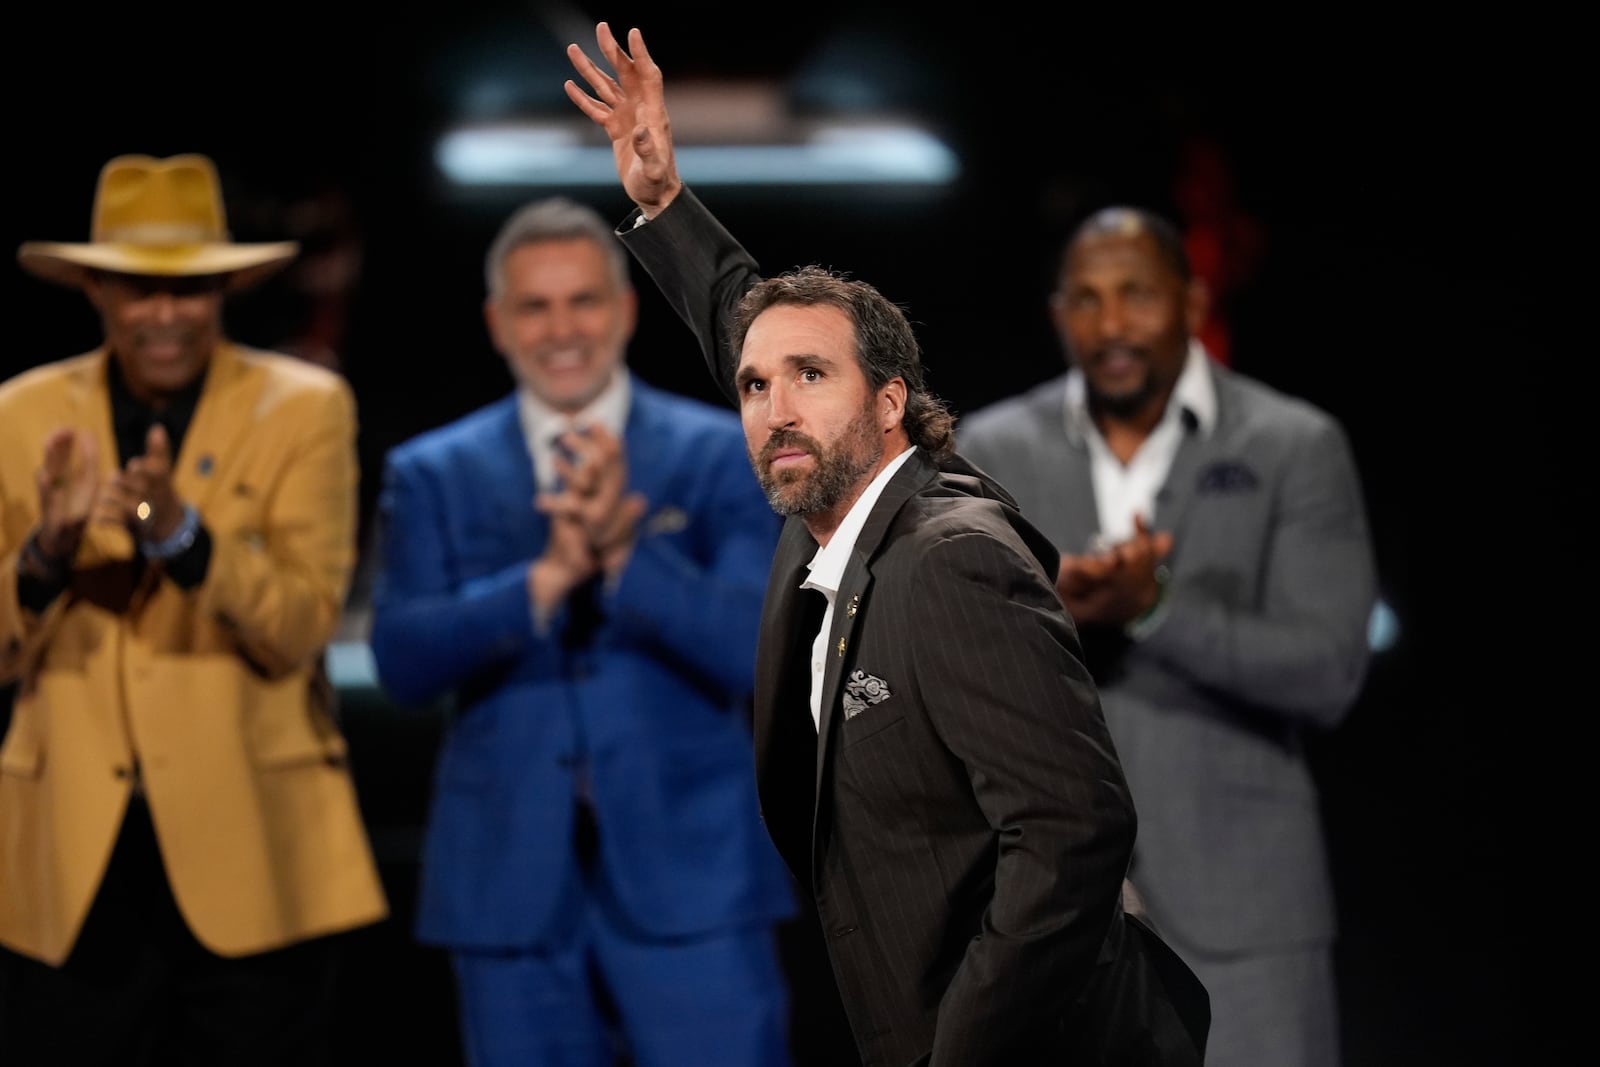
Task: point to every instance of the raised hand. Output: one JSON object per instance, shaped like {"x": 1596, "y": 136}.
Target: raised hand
{"x": 632, "y": 108}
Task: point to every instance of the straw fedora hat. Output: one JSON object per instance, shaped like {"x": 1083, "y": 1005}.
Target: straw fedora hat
{"x": 159, "y": 217}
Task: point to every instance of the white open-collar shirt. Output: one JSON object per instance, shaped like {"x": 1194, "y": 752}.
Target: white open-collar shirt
{"x": 1121, "y": 491}
{"x": 827, "y": 571}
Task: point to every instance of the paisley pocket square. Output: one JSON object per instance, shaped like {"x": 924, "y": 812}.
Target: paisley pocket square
{"x": 861, "y": 691}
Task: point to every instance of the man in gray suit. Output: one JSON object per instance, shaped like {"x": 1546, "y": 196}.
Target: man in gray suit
{"x": 931, "y": 756}
{"x": 1215, "y": 556}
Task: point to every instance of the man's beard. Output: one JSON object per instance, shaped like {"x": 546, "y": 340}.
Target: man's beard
{"x": 833, "y": 475}
{"x": 1121, "y": 405}
{"x": 1128, "y": 403}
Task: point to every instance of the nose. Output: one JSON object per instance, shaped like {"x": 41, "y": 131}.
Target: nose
{"x": 163, "y": 306}
{"x": 780, "y": 411}
{"x": 562, "y": 323}
{"x": 1113, "y": 320}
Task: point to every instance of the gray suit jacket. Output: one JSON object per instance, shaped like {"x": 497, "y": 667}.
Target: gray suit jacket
{"x": 963, "y": 825}
{"x": 1263, "y": 643}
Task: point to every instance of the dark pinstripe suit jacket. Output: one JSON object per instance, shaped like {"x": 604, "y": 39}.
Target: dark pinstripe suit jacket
{"x": 963, "y": 825}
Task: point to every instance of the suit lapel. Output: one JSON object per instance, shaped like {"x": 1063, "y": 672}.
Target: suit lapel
{"x": 784, "y": 734}
{"x": 1073, "y": 498}
{"x": 233, "y": 388}
{"x": 507, "y": 450}
{"x": 783, "y": 728}
{"x": 647, "y": 438}
{"x": 1195, "y": 453}
{"x": 850, "y": 606}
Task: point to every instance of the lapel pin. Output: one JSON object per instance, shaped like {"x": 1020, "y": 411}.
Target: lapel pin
{"x": 841, "y": 646}
{"x": 855, "y": 601}
{"x": 205, "y": 465}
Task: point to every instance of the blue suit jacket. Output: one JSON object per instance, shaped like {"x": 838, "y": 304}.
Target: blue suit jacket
{"x": 658, "y": 700}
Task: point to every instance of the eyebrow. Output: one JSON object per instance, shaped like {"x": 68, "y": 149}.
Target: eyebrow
{"x": 795, "y": 359}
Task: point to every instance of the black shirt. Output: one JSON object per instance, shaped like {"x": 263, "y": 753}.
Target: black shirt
{"x": 131, "y": 419}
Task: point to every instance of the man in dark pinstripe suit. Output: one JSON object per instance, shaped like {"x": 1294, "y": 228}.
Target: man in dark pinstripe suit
{"x": 932, "y": 759}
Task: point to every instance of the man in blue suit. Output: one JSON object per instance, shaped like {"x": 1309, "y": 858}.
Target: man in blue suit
{"x": 580, "y": 567}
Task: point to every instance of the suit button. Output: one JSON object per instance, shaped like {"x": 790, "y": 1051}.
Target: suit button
{"x": 840, "y": 931}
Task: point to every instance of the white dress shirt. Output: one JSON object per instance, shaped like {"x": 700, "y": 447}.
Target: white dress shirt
{"x": 827, "y": 571}
{"x": 1121, "y": 491}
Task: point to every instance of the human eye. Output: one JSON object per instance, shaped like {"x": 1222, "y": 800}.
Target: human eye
{"x": 810, "y": 374}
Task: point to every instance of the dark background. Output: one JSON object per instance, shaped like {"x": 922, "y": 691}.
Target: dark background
{"x": 1409, "y": 186}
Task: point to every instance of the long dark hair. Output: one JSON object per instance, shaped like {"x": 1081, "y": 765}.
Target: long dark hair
{"x": 886, "y": 346}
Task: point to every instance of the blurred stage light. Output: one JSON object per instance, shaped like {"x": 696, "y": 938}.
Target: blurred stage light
{"x": 556, "y": 155}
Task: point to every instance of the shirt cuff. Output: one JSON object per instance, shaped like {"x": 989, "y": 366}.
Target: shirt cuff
{"x": 176, "y": 542}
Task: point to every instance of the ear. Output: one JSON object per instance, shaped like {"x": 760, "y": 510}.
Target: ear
{"x": 629, "y": 313}
{"x": 891, "y": 404}
{"x": 1196, "y": 305}
{"x": 1058, "y": 313}
{"x": 92, "y": 289}
{"x": 491, "y": 320}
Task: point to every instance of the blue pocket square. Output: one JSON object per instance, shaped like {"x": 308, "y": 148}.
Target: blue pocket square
{"x": 1226, "y": 476}
{"x": 861, "y": 691}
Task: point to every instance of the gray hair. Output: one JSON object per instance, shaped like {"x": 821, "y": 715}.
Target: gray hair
{"x": 556, "y": 218}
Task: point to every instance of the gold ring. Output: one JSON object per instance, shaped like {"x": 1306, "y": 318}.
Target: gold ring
{"x": 143, "y": 511}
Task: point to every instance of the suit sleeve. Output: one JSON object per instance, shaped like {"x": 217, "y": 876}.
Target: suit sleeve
{"x": 703, "y": 610}
{"x": 280, "y": 589}
{"x": 432, "y": 631}
{"x": 1004, "y": 683}
{"x": 701, "y": 270}
{"x": 1304, "y": 649}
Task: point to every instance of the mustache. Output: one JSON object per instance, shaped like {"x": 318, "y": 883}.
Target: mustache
{"x": 1115, "y": 348}
{"x": 786, "y": 439}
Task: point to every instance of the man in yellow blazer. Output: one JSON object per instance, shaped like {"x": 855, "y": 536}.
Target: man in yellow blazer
{"x": 180, "y": 842}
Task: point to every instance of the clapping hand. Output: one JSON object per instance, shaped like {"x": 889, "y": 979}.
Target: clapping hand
{"x": 68, "y": 481}
{"x": 593, "y": 516}
{"x": 1116, "y": 584}
{"x": 142, "y": 497}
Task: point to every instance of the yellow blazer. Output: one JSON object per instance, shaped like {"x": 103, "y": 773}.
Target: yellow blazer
{"x": 218, "y": 693}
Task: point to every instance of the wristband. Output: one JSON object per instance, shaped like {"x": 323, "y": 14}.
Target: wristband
{"x": 35, "y": 563}
{"x": 178, "y": 541}
{"x": 1148, "y": 619}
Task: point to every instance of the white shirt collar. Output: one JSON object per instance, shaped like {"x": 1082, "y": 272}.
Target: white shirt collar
{"x": 541, "y": 422}
{"x": 827, "y": 566}
{"x": 827, "y": 571}
{"x": 1195, "y": 392}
